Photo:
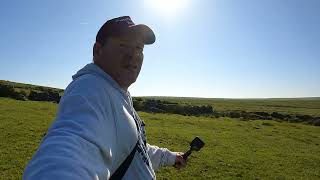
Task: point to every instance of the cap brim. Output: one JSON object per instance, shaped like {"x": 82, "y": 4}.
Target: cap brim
{"x": 144, "y": 32}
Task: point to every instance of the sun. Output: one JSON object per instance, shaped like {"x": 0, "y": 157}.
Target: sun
{"x": 167, "y": 7}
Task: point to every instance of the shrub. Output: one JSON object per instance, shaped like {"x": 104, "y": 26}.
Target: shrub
{"x": 316, "y": 122}
{"x": 9, "y": 91}
{"x": 277, "y": 115}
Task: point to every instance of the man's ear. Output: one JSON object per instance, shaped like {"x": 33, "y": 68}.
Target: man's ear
{"x": 97, "y": 47}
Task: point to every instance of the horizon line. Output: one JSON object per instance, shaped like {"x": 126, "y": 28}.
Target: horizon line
{"x": 157, "y": 96}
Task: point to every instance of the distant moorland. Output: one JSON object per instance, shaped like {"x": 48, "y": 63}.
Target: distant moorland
{"x": 303, "y": 110}
{"x": 245, "y": 139}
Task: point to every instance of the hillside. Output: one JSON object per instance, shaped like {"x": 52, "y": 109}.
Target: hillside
{"x": 21, "y": 91}
{"x": 303, "y": 110}
{"x": 234, "y": 149}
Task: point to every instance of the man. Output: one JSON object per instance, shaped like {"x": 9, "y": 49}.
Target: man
{"x": 97, "y": 133}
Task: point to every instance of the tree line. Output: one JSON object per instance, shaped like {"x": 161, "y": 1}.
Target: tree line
{"x": 39, "y": 93}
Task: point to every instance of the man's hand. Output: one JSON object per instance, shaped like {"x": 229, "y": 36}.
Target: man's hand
{"x": 180, "y": 162}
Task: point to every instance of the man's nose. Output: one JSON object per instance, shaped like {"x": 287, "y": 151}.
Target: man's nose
{"x": 134, "y": 53}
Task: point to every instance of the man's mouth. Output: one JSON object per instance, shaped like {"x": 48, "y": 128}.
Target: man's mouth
{"x": 131, "y": 67}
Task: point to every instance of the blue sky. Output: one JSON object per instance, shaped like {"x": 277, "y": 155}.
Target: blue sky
{"x": 204, "y": 48}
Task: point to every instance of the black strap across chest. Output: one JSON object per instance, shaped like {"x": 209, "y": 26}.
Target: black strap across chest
{"x": 119, "y": 173}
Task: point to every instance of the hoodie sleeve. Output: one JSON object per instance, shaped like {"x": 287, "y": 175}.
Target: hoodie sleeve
{"x": 160, "y": 156}
{"x": 79, "y": 145}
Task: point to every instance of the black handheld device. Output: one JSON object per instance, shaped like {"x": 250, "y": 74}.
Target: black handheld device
{"x": 195, "y": 145}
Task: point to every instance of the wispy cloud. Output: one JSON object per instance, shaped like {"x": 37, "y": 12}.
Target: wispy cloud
{"x": 84, "y": 23}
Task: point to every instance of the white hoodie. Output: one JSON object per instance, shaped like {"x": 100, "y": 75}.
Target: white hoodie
{"x": 94, "y": 132}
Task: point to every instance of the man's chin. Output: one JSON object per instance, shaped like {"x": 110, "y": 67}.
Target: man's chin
{"x": 129, "y": 82}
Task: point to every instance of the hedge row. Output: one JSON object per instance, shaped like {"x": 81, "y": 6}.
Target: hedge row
{"x": 7, "y": 90}
{"x": 158, "y": 106}
{"x": 243, "y": 115}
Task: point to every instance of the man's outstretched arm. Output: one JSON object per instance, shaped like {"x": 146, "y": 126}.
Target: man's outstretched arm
{"x": 72, "y": 148}
{"x": 163, "y": 157}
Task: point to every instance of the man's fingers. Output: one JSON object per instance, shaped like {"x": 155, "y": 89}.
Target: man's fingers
{"x": 180, "y": 161}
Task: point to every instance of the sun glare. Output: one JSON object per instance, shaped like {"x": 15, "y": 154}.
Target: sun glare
{"x": 167, "y": 7}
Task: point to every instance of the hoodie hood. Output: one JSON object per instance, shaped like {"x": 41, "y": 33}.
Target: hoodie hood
{"x": 93, "y": 69}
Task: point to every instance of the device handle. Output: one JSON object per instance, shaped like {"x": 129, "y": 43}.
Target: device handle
{"x": 186, "y": 155}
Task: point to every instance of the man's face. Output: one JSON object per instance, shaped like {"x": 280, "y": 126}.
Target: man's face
{"x": 122, "y": 59}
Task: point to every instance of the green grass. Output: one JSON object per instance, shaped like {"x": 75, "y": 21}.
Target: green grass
{"x": 234, "y": 149}
{"x": 22, "y": 125}
{"x": 238, "y": 149}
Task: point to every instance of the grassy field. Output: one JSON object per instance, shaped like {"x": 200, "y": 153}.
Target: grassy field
{"x": 234, "y": 149}
{"x": 302, "y": 106}
{"x": 22, "y": 125}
